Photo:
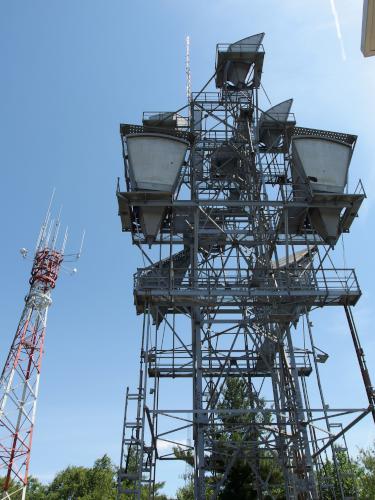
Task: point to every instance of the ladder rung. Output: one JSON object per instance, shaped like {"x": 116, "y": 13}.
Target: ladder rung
{"x": 128, "y": 475}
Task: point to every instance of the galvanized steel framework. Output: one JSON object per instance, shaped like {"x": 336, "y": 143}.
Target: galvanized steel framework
{"x": 239, "y": 249}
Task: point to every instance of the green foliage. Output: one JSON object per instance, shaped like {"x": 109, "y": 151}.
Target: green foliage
{"x": 145, "y": 493}
{"x": 13, "y": 489}
{"x": 158, "y": 486}
{"x": 239, "y": 483}
{"x": 186, "y": 492}
{"x": 350, "y": 473}
{"x": 70, "y": 483}
{"x": 185, "y": 455}
{"x": 238, "y": 428}
{"x": 357, "y": 476}
{"x": 367, "y": 479}
{"x": 36, "y": 490}
{"x": 241, "y": 479}
{"x": 98, "y": 482}
{"x": 82, "y": 483}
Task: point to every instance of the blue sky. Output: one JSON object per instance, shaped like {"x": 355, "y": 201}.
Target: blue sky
{"x": 71, "y": 71}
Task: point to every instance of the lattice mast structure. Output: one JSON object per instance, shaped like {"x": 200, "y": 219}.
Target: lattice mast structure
{"x": 236, "y": 211}
{"x": 19, "y": 382}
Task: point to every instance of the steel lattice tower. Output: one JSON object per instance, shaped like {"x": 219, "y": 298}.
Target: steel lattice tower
{"x": 236, "y": 211}
{"x": 19, "y": 382}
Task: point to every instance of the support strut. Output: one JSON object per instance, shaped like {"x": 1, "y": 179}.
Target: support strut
{"x": 361, "y": 360}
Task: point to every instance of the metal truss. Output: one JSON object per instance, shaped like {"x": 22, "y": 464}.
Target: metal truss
{"x": 19, "y": 381}
{"x": 20, "y": 377}
{"x": 238, "y": 264}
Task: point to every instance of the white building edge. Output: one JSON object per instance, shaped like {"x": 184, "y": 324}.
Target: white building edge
{"x": 368, "y": 28}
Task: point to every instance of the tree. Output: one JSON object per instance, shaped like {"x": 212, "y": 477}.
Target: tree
{"x": 367, "y": 482}
{"x": 145, "y": 492}
{"x": 35, "y": 489}
{"x": 82, "y": 483}
{"x": 99, "y": 483}
{"x": 350, "y": 474}
{"x": 241, "y": 432}
{"x": 186, "y": 492}
{"x": 14, "y": 488}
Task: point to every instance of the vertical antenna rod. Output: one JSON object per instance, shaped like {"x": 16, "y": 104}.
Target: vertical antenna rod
{"x": 187, "y": 68}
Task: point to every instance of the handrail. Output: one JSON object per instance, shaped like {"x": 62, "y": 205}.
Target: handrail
{"x": 294, "y": 278}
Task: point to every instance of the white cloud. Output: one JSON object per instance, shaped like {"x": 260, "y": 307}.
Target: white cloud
{"x": 164, "y": 445}
{"x": 338, "y": 29}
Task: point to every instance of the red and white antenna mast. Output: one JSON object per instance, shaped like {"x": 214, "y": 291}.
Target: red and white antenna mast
{"x": 19, "y": 382}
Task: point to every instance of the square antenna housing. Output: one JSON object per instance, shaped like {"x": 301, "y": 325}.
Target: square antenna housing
{"x": 235, "y": 61}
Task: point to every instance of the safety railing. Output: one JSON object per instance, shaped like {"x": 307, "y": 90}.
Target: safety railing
{"x": 232, "y": 279}
{"x": 168, "y": 363}
{"x": 240, "y": 47}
